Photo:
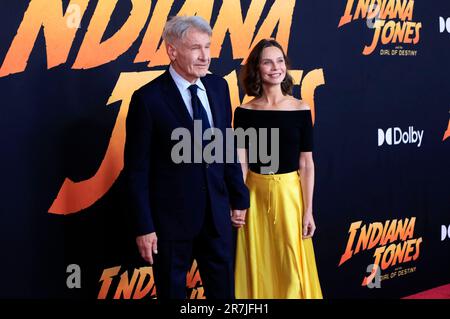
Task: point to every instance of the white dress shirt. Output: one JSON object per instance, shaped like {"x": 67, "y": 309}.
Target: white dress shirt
{"x": 183, "y": 85}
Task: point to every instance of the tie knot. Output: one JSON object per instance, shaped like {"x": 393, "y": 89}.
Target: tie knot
{"x": 193, "y": 89}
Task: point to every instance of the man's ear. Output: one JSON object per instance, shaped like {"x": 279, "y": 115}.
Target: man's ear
{"x": 171, "y": 51}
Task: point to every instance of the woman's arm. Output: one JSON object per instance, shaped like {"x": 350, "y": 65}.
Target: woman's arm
{"x": 307, "y": 181}
{"x": 238, "y": 216}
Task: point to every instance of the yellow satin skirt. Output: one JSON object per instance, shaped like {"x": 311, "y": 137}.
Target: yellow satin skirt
{"x": 272, "y": 259}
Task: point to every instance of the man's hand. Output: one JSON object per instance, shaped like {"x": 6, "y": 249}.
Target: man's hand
{"x": 308, "y": 226}
{"x": 147, "y": 245}
{"x": 238, "y": 217}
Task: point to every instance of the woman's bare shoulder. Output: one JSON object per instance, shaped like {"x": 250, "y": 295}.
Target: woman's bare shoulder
{"x": 251, "y": 105}
{"x": 299, "y": 104}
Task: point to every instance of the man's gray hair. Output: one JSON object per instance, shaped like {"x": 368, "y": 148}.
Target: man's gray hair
{"x": 177, "y": 27}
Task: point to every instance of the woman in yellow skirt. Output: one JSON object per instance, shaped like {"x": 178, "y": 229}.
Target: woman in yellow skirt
{"x": 275, "y": 254}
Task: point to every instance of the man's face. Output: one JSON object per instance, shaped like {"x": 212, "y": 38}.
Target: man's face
{"x": 190, "y": 56}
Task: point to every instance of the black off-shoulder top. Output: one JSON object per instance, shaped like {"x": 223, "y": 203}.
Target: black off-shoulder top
{"x": 295, "y": 135}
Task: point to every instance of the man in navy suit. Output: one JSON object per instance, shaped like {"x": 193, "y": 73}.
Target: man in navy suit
{"x": 184, "y": 210}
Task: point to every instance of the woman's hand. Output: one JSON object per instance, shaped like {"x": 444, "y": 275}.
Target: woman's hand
{"x": 238, "y": 217}
{"x": 309, "y": 226}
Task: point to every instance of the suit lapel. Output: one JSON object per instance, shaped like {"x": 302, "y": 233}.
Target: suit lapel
{"x": 176, "y": 102}
{"x": 213, "y": 102}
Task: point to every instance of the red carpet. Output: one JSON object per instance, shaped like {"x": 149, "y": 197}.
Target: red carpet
{"x": 442, "y": 292}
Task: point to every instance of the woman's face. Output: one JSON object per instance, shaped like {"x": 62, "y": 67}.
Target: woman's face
{"x": 272, "y": 66}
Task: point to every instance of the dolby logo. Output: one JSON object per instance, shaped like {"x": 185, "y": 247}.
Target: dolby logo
{"x": 445, "y": 232}
{"x": 444, "y": 25}
{"x": 396, "y": 136}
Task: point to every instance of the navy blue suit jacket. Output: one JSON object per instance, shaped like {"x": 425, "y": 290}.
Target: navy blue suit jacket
{"x": 170, "y": 198}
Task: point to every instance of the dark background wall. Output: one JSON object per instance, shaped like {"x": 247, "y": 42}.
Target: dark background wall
{"x": 54, "y": 123}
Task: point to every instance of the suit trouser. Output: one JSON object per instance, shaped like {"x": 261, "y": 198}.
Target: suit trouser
{"x": 213, "y": 254}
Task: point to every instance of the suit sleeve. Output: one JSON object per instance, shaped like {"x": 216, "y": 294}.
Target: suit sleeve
{"x": 239, "y": 196}
{"x": 137, "y": 163}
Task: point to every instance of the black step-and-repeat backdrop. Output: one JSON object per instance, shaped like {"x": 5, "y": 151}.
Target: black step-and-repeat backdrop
{"x": 376, "y": 74}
